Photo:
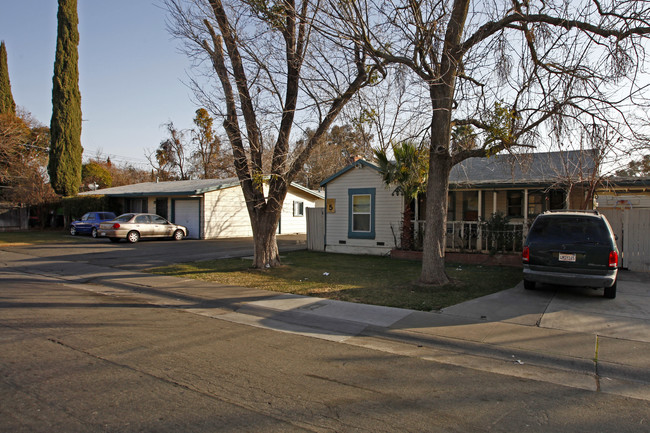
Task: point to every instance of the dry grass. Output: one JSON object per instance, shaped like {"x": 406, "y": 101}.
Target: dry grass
{"x": 364, "y": 279}
{"x": 35, "y": 236}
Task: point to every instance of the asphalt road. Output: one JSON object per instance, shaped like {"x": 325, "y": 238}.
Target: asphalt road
{"x": 149, "y": 253}
{"x": 75, "y": 360}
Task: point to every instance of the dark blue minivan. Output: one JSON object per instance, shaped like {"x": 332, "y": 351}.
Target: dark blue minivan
{"x": 571, "y": 248}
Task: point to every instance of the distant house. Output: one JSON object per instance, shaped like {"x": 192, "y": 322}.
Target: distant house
{"x": 363, "y": 215}
{"x": 209, "y": 208}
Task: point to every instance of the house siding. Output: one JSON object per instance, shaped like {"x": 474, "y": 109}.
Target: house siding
{"x": 295, "y": 224}
{"x": 387, "y": 213}
{"x": 226, "y": 215}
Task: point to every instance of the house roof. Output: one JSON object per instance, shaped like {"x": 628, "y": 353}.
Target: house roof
{"x": 179, "y": 188}
{"x": 522, "y": 169}
{"x": 357, "y": 164}
{"x": 508, "y": 169}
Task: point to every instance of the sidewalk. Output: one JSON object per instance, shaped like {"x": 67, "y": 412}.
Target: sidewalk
{"x": 514, "y": 332}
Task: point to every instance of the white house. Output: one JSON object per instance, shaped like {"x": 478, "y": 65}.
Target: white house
{"x": 209, "y": 208}
{"x": 362, "y": 215}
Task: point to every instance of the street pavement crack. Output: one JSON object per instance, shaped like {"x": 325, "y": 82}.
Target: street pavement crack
{"x": 252, "y": 408}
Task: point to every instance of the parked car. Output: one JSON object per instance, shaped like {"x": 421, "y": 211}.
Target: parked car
{"x": 571, "y": 248}
{"x": 134, "y": 226}
{"x": 89, "y": 223}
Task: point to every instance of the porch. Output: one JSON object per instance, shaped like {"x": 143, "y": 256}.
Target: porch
{"x": 494, "y": 220}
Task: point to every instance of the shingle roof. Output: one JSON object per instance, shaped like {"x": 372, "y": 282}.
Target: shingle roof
{"x": 178, "y": 188}
{"x": 507, "y": 169}
{"x": 523, "y": 169}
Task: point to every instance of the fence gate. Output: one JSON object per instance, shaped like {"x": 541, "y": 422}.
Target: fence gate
{"x": 316, "y": 228}
{"x": 632, "y": 227}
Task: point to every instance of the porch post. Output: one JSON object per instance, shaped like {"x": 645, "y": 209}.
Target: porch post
{"x": 524, "y": 231}
{"x": 479, "y": 235}
{"x": 525, "y": 205}
{"x": 494, "y": 202}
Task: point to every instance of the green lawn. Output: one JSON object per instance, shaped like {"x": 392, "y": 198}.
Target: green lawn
{"x": 364, "y": 279}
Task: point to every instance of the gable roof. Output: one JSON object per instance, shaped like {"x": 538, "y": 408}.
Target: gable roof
{"x": 179, "y": 188}
{"x": 357, "y": 164}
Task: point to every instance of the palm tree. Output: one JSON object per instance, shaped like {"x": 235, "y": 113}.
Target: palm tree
{"x": 409, "y": 172}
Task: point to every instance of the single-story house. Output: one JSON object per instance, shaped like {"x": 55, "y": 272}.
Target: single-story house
{"x": 210, "y": 208}
{"x": 363, "y": 215}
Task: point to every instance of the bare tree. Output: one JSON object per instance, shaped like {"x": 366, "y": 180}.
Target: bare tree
{"x": 263, "y": 55}
{"x": 516, "y": 71}
{"x": 171, "y": 159}
{"x": 208, "y": 157}
{"x": 340, "y": 147}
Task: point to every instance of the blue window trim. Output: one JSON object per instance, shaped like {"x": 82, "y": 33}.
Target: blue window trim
{"x": 361, "y": 191}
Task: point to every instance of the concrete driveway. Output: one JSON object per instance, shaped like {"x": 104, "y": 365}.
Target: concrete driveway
{"x": 570, "y": 309}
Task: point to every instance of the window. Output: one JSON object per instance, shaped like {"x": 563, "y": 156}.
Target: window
{"x": 535, "y": 204}
{"x": 470, "y": 206}
{"x": 142, "y": 219}
{"x": 515, "y": 199}
{"x": 298, "y": 208}
{"x": 361, "y": 216}
{"x": 157, "y": 219}
{"x": 451, "y": 206}
{"x": 556, "y": 198}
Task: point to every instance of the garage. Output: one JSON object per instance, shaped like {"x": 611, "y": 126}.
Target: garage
{"x": 187, "y": 212}
{"x": 209, "y": 208}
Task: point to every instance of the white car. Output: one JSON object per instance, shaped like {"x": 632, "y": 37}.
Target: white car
{"x": 134, "y": 226}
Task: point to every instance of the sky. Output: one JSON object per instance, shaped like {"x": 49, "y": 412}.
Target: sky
{"x": 131, "y": 73}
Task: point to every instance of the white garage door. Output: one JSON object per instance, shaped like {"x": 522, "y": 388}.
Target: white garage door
{"x": 186, "y": 213}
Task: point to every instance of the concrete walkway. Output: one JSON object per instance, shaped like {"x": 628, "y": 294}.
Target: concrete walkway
{"x": 572, "y": 338}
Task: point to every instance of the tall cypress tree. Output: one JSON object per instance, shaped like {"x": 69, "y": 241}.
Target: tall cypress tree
{"x": 7, "y": 104}
{"x": 65, "y": 127}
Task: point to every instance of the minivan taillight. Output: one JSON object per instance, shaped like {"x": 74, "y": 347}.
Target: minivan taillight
{"x": 116, "y": 225}
{"x": 525, "y": 254}
{"x": 613, "y": 259}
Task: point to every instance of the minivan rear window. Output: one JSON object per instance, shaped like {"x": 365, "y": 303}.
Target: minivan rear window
{"x": 568, "y": 229}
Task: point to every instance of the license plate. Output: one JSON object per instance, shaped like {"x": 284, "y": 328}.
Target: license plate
{"x": 567, "y": 257}
{"x": 102, "y": 233}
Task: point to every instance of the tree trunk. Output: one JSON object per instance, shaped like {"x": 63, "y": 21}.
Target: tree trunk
{"x": 433, "y": 256}
{"x": 265, "y": 224}
{"x": 407, "y": 227}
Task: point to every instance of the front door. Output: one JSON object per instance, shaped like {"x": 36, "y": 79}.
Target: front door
{"x": 161, "y": 207}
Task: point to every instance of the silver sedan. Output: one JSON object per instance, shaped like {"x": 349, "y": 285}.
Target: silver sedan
{"x": 133, "y": 226}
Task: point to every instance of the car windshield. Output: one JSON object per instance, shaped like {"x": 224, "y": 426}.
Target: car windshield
{"x": 568, "y": 229}
{"x": 124, "y": 218}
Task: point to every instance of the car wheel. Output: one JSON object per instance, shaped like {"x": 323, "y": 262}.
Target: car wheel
{"x": 178, "y": 235}
{"x": 73, "y": 230}
{"x": 115, "y": 239}
{"x": 133, "y": 237}
{"x": 529, "y": 285}
{"x": 93, "y": 233}
{"x": 610, "y": 292}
